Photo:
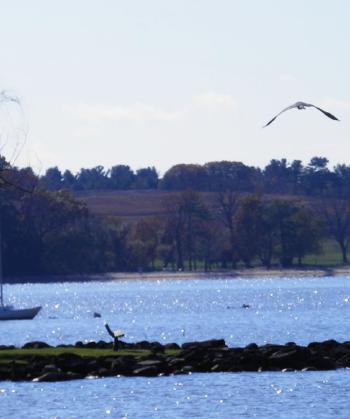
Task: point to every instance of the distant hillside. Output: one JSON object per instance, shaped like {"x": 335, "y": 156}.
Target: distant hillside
{"x": 131, "y": 204}
{"x": 137, "y": 204}
{"x": 278, "y": 177}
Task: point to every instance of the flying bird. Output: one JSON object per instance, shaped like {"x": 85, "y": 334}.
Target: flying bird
{"x": 302, "y": 105}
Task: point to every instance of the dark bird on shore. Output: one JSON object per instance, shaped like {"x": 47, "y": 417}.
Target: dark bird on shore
{"x": 302, "y": 105}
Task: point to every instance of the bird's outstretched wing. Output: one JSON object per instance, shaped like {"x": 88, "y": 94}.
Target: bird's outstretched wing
{"x": 109, "y": 330}
{"x": 327, "y": 113}
{"x": 286, "y": 109}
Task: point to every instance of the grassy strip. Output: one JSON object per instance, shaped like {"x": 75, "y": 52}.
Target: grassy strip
{"x": 7, "y": 355}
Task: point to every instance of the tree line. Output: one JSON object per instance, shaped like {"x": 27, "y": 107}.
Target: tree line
{"x": 278, "y": 177}
{"x": 52, "y": 232}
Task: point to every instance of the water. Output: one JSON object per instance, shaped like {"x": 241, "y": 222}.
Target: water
{"x": 281, "y": 310}
{"x": 243, "y": 395}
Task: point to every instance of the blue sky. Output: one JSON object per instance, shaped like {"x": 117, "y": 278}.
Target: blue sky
{"x": 160, "y": 82}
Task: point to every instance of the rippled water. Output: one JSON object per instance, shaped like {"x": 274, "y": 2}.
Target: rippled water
{"x": 281, "y": 310}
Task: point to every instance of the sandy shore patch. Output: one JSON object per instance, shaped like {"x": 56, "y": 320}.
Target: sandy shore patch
{"x": 169, "y": 275}
{"x": 240, "y": 273}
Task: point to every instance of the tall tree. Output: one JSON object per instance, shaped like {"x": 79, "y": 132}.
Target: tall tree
{"x": 121, "y": 177}
{"x": 146, "y": 178}
{"x": 45, "y": 216}
{"x": 228, "y": 175}
{"x": 296, "y": 234}
{"x": 68, "y": 180}
{"x": 173, "y": 236}
{"x": 52, "y": 180}
{"x": 248, "y": 227}
{"x": 317, "y": 177}
{"x": 195, "y": 213}
{"x": 335, "y": 213}
{"x": 186, "y": 214}
{"x": 226, "y": 208}
{"x": 276, "y": 176}
{"x": 145, "y": 239}
{"x": 185, "y": 176}
{"x": 89, "y": 179}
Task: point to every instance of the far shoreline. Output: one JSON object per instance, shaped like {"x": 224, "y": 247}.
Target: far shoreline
{"x": 244, "y": 273}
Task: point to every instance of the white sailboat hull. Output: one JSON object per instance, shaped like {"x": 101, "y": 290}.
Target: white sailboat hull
{"x": 10, "y": 313}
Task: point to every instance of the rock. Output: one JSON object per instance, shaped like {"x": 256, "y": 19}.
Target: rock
{"x": 104, "y": 372}
{"x": 103, "y": 345}
{"x": 175, "y": 363}
{"x": 149, "y": 363}
{"x": 51, "y": 368}
{"x": 170, "y": 346}
{"x": 309, "y": 369}
{"x": 187, "y": 369}
{"x": 322, "y": 363}
{"x": 213, "y": 343}
{"x": 269, "y": 348}
{"x": 252, "y": 346}
{"x": 36, "y": 345}
{"x": 250, "y": 361}
{"x": 340, "y": 351}
{"x": 144, "y": 344}
{"x": 52, "y": 376}
{"x": 194, "y": 356}
{"x": 290, "y": 357}
{"x": 323, "y": 347}
{"x": 74, "y": 376}
{"x": 91, "y": 345}
{"x": 157, "y": 347}
{"x": 68, "y": 358}
{"x": 204, "y": 356}
{"x": 216, "y": 368}
{"x": 123, "y": 365}
{"x": 5, "y": 372}
{"x": 344, "y": 361}
{"x": 92, "y": 365}
{"x": 149, "y": 371}
{"x": 223, "y": 365}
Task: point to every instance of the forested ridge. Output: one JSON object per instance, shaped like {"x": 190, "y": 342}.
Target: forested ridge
{"x": 278, "y": 177}
{"x": 275, "y": 216}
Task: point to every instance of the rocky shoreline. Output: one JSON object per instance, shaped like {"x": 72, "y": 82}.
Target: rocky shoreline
{"x": 151, "y": 359}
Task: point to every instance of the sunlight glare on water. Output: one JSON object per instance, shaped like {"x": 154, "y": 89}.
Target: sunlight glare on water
{"x": 277, "y": 311}
{"x": 259, "y": 395}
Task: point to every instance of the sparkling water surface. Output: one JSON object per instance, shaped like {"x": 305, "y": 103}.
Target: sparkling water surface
{"x": 280, "y": 310}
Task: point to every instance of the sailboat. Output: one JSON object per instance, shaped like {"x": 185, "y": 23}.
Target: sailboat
{"x": 8, "y": 312}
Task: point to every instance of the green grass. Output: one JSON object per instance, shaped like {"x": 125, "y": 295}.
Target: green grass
{"x": 7, "y": 355}
{"x": 329, "y": 257}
